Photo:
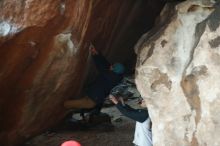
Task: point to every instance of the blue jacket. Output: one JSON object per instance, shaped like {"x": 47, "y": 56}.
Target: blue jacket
{"x": 105, "y": 81}
{"x": 139, "y": 115}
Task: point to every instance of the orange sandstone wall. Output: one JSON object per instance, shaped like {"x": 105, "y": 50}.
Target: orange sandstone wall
{"x": 44, "y": 54}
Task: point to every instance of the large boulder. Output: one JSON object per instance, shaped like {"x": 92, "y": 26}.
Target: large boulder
{"x": 178, "y": 74}
{"x": 44, "y": 54}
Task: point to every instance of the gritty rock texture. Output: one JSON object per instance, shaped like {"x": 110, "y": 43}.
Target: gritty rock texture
{"x": 178, "y": 75}
{"x": 44, "y": 54}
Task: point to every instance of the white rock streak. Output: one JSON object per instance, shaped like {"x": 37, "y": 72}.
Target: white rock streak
{"x": 4, "y": 28}
{"x": 7, "y": 28}
{"x": 64, "y": 42}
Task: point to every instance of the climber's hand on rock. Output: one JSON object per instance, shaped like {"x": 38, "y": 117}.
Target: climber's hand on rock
{"x": 92, "y": 49}
{"x": 113, "y": 99}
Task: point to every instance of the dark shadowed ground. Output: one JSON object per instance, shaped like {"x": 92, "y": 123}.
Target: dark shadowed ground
{"x": 120, "y": 135}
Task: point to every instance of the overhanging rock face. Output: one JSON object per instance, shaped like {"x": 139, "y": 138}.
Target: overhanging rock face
{"x": 44, "y": 54}
{"x": 178, "y": 75}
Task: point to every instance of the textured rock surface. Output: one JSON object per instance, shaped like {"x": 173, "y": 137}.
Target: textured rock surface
{"x": 178, "y": 75}
{"x": 44, "y": 55}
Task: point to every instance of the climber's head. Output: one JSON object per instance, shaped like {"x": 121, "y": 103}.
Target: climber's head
{"x": 118, "y": 68}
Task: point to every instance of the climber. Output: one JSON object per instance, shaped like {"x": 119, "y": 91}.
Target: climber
{"x": 143, "y": 135}
{"x": 109, "y": 76}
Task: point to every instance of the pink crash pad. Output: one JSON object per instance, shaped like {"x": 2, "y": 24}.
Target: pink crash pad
{"x": 71, "y": 143}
